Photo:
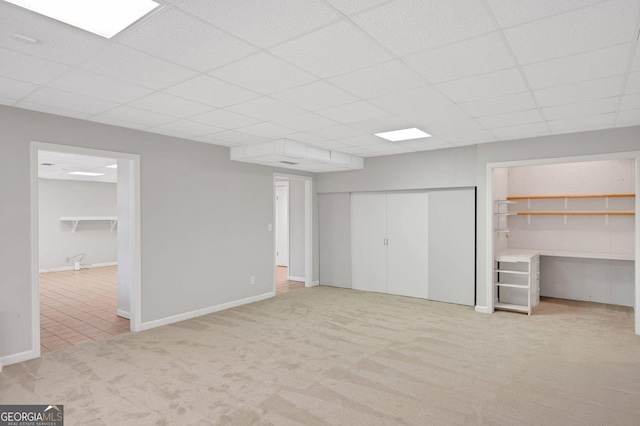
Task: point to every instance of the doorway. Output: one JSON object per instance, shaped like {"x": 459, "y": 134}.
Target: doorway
{"x": 86, "y": 252}
{"x": 583, "y": 223}
{"x": 292, "y": 236}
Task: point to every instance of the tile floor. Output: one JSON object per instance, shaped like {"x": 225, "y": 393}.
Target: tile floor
{"x": 282, "y": 284}
{"x": 79, "y": 306}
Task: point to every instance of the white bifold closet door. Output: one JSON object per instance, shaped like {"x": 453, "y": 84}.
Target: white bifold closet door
{"x": 390, "y": 242}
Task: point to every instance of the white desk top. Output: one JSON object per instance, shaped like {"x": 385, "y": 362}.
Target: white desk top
{"x": 529, "y": 253}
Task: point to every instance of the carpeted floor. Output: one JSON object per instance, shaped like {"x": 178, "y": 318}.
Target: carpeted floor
{"x": 324, "y": 356}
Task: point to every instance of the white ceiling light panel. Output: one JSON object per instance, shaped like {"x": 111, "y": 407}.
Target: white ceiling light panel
{"x": 103, "y": 17}
{"x": 403, "y": 135}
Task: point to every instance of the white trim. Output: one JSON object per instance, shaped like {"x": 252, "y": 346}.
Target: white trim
{"x": 70, "y": 268}
{"x": 19, "y": 357}
{"x": 0, "y": 367}
{"x": 315, "y": 283}
{"x": 193, "y": 314}
{"x": 484, "y": 310}
{"x": 136, "y": 284}
{"x": 124, "y": 314}
{"x": 633, "y": 155}
{"x": 292, "y": 278}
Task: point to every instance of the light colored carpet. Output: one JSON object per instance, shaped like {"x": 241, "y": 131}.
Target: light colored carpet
{"x": 331, "y": 356}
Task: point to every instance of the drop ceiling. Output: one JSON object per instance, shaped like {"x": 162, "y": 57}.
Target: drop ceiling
{"x": 331, "y": 73}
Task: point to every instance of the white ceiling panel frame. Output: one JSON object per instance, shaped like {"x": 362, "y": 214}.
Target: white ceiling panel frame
{"x": 99, "y": 86}
{"x": 189, "y": 128}
{"x": 350, "y": 113}
{"x": 69, "y": 101}
{"x": 500, "y": 104}
{"x": 138, "y": 116}
{"x": 30, "y": 69}
{"x": 225, "y": 119}
{"x": 594, "y": 107}
{"x": 14, "y": 89}
{"x": 211, "y": 91}
{"x": 265, "y": 108}
{"x": 164, "y": 103}
{"x": 514, "y": 12}
{"x": 580, "y": 92}
{"x": 315, "y": 96}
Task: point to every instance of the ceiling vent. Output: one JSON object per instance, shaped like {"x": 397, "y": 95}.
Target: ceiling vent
{"x": 295, "y": 155}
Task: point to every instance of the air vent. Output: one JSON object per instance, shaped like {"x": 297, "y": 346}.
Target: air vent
{"x": 289, "y": 162}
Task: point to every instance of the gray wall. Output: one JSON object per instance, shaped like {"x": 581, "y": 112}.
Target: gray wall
{"x": 467, "y": 166}
{"x": 204, "y": 219}
{"x": 57, "y": 198}
{"x": 296, "y": 229}
{"x": 334, "y": 217}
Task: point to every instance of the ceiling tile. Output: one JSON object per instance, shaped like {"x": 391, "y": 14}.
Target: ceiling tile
{"x": 56, "y": 41}
{"x": 577, "y": 68}
{"x": 305, "y": 121}
{"x": 442, "y": 115}
{"x": 630, "y": 117}
{"x": 522, "y": 131}
{"x": 513, "y": 12}
{"x": 511, "y": 119}
{"x": 412, "y": 101}
{"x": 469, "y": 138}
{"x": 263, "y": 73}
{"x": 225, "y": 119}
{"x": 52, "y": 110}
{"x": 7, "y": 101}
{"x": 189, "y": 128}
{"x": 305, "y": 137}
{"x": 98, "y": 86}
{"x": 484, "y": 86}
{"x": 265, "y": 109}
{"x": 379, "y": 80}
{"x": 332, "y": 145}
{"x": 355, "y": 150}
{"x": 123, "y": 63}
{"x": 409, "y": 26}
{"x": 349, "y": 113}
{"x": 263, "y": 23}
{"x": 630, "y": 101}
{"x": 578, "y": 124}
{"x": 211, "y": 91}
{"x": 211, "y": 139}
{"x": 315, "y": 96}
{"x": 180, "y": 38}
{"x": 266, "y": 130}
{"x": 589, "y": 28}
{"x": 68, "y": 101}
{"x": 118, "y": 123}
{"x": 598, "y": 106}
{"x": 425, "y": 144}
{"x": 13, "y": 89}
{"x": 231, "y": 137}
{"x": 349, "y": 7}
{"x": 465, "y": 59}
{"x": 500, "y": 104}
{"x": 170, "y": 105}
{"x": 362, "y": 140}
{"x": 337, "y": 132}
{"x": 636, "y": 61}
{"x": 332, "y": 50}
{"x": 27, "y": 68}
{"x": 580, "y": 92}
{"x": 388, "y": 147}
{"x": 138, "y": 116}
{"x": 462, "y": 126}
{"x": 383, "y": 124}
{"x": 633, "y": 84}
{"x": 168, "y": 132}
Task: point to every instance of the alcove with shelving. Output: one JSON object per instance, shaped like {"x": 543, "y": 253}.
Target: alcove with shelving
{"x": 580, "y": 220}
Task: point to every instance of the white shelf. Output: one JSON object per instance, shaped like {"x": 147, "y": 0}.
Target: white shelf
{"x": 505, "y": 202}
{"x": 510, "y": 285}
{"x": 507, "y": 271}
{"x": 75, "y": 220}
{"x": 512, "y": 253}
{"x": 503, "y": 230}
{"x": 506, "y": 214}
{"x": 511, "y": 307}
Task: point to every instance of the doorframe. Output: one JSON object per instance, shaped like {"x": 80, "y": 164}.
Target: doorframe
{"x": 282, "y": 184}
{"x": 629, "y": 155}
{"x": 308, "y": 226}
{"x": 134, "y": 238}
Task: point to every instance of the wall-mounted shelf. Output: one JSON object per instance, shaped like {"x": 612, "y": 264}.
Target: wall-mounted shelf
{"x": 75, "y": 220}
{"x": 567, "y": 213}
{"x": 544, "y": 197}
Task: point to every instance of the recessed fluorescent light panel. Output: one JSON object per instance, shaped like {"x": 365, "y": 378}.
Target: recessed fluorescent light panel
{"x": 113, "y": 166}
{"x": 403, "y": 135}
{"x": 86, "y": 174}
{"x": 103, "y": 17}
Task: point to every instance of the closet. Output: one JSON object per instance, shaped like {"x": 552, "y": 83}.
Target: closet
{"x": 415, "y": 243}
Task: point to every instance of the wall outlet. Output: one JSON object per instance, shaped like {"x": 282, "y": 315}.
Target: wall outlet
{"x": 253, "y": 280}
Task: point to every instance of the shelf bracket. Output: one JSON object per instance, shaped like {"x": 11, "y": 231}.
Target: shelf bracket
{"x": 74, "y": 226}
{"x": 566, "y": 203}
{"x": 606, "y": 219}
{"x": 113, "y": 224}
{"x": 529, "y": 219}
{"x": 565, "y": 219}
{"x": 606, "y": 202}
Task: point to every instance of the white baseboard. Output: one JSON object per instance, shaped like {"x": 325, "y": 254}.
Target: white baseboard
{"x": 70, "y": 268}
{"x": 484, "y": 310}
{"x": 124, "y": 314}
{"x": 19, "y": 357}
{"x": 188, "y": 315}
{"x": 315, "y": 283}
{"x": 292, "y": 278}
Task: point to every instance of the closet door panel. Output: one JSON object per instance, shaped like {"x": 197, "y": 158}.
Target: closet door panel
{"x": 408, "y": 244}
{"x": 452, "y": 246}
{"x": 368, "y": 233}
